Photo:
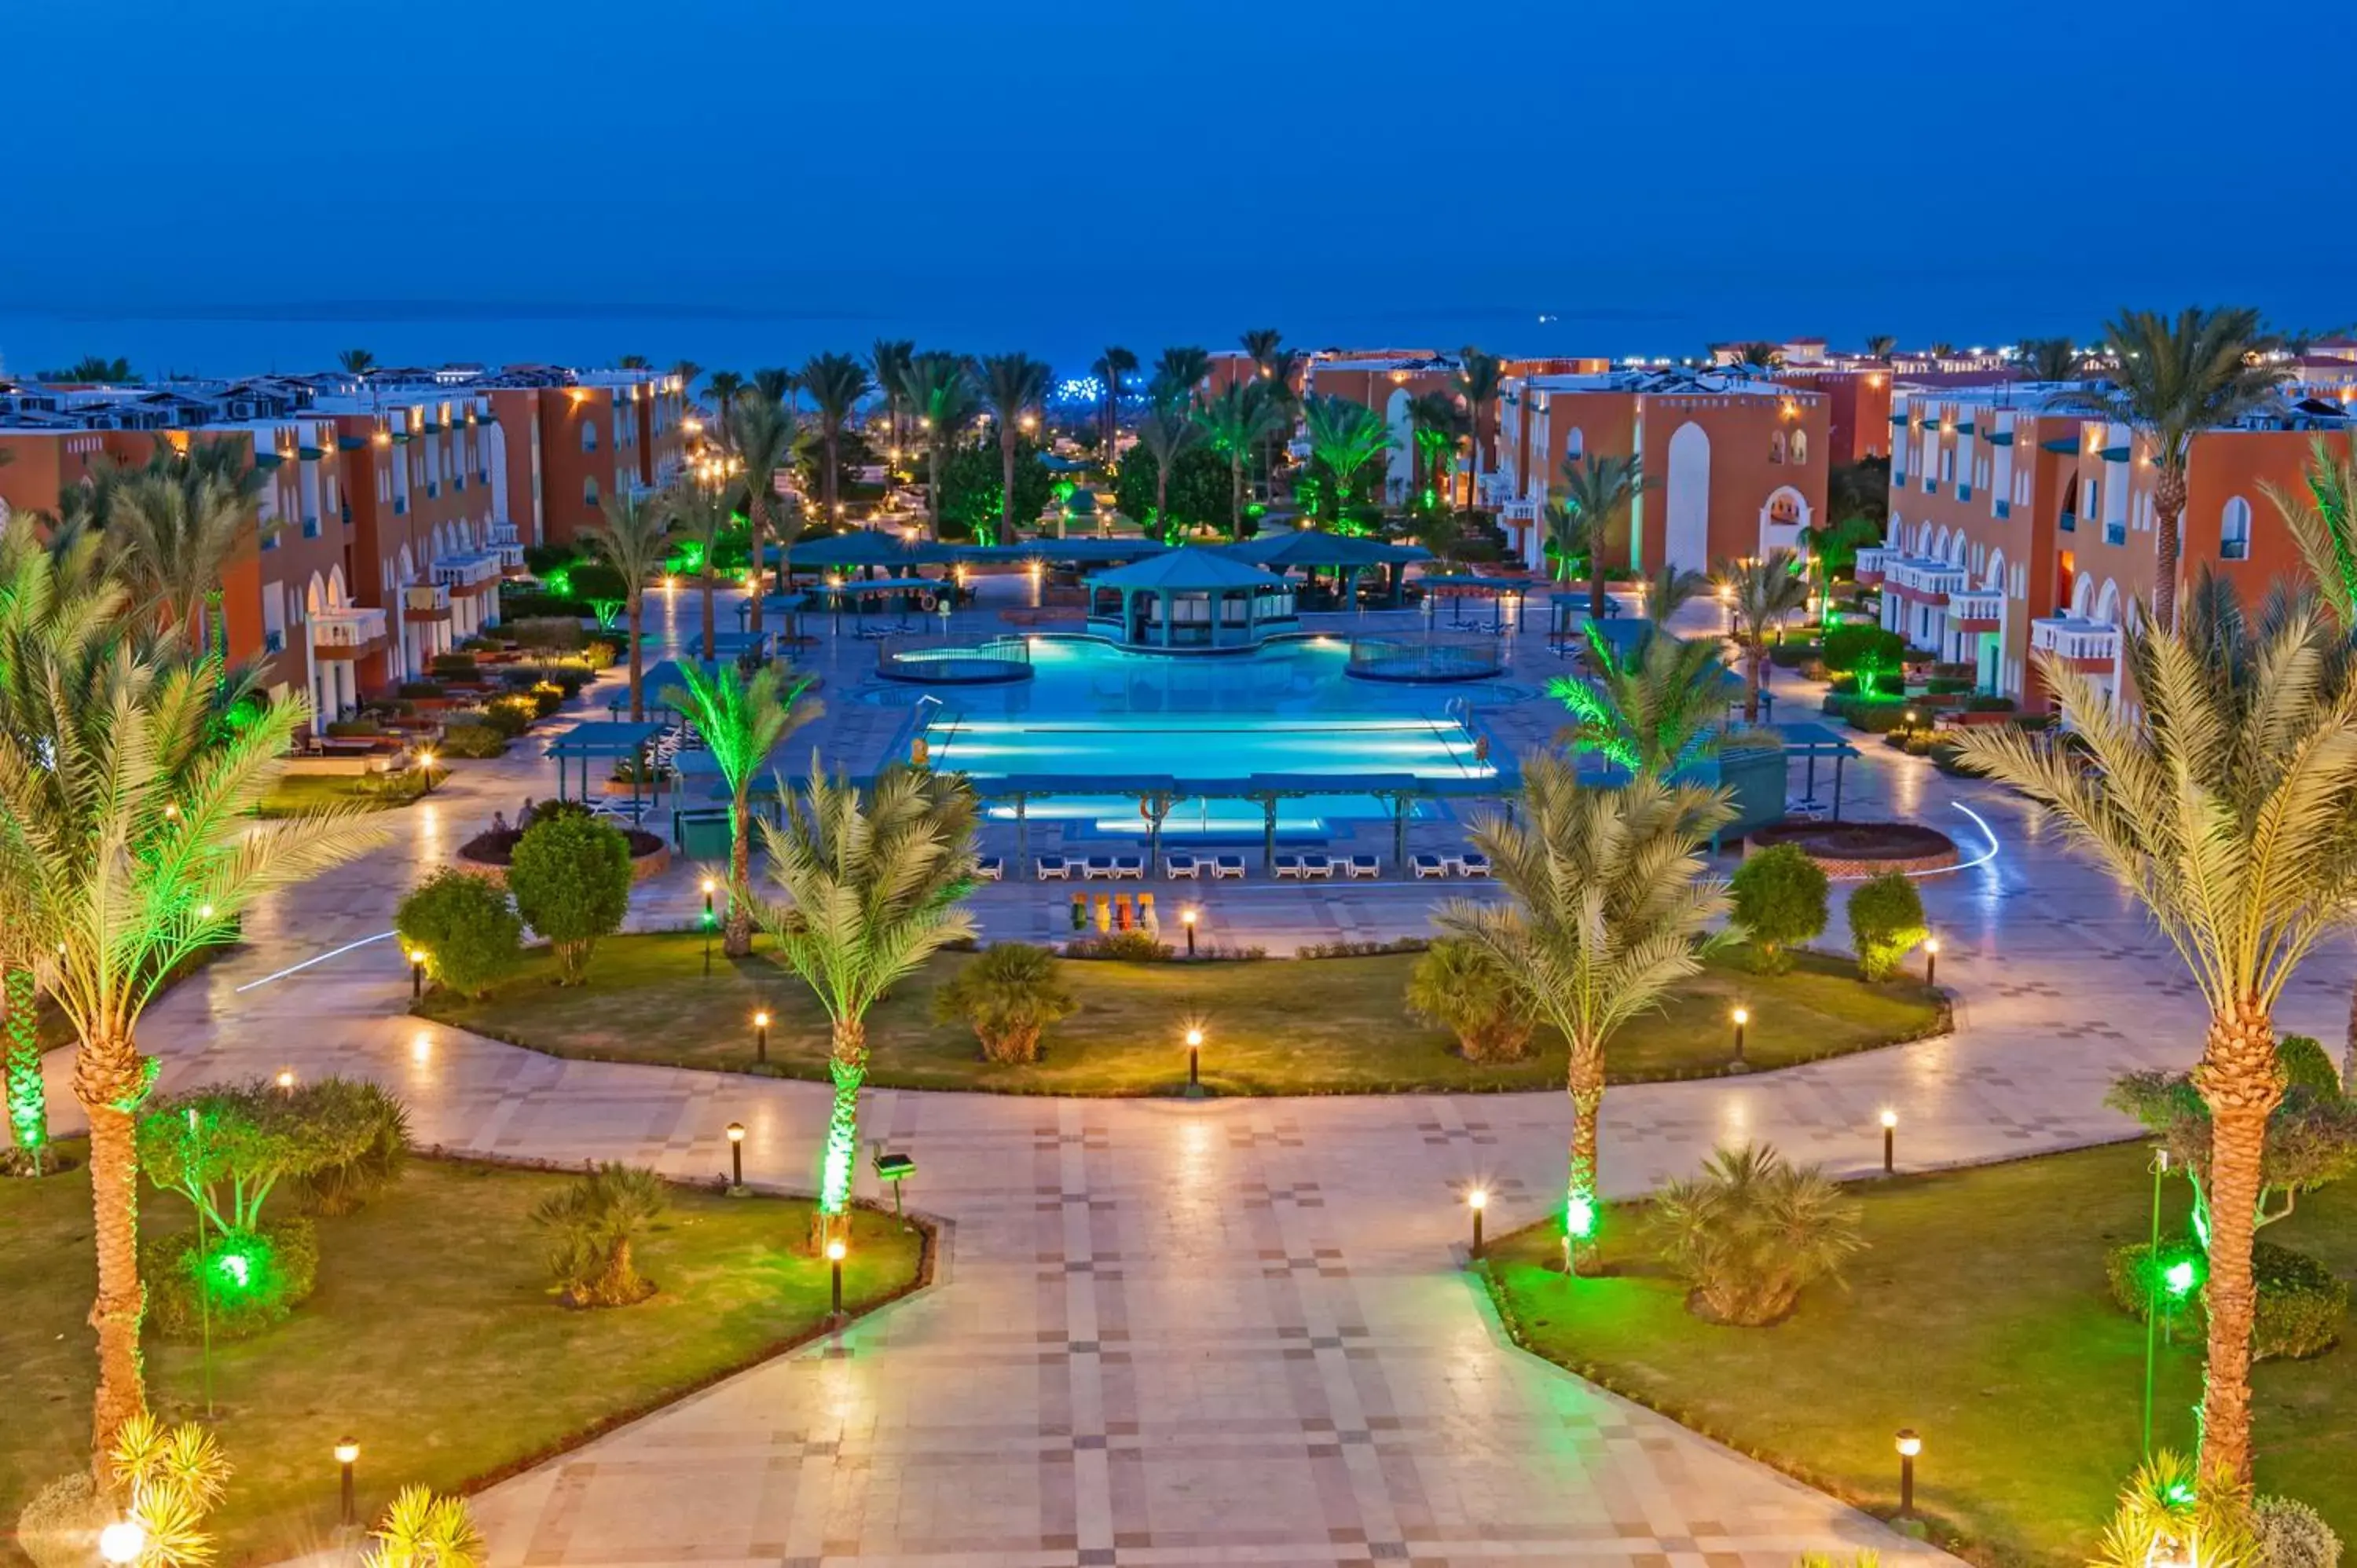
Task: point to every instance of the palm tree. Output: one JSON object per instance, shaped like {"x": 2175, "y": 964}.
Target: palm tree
{"x": 1237, "y": 420}
{"x": 1277, "y": 378}
{"x": 634, "y": 535}
{"x": 941, "y": 391}
{"x": 1112, "y": 365}
{"x": 836, "y": 382}
{"x": 1610, "y": 909}
{"x": 1012, "y": 386}
{"x": 762, "y": 431}
{"x": 1597, "y": 491}
{"x": 126, "y": 846}
{"x": 725, "y": 386}
{"x": 1261, "y": 343}
{"x": 1345, "y": 437}
{"x": 872, "y": 886}
{"x": 1670, "y": 590}
{"x": 1177, "y": 375}
{"x": 2223, "y": 809}
{"x": 742, "y": 719}
{"x": 173, "y": 524}
{"x": 356, "y": 362}
{"x": 1880, "y": 346}
{"x": 633, "y": 362}
{"x": 2172, "y": 382}
{"x": 1434, "y": 420}
{"x": 1653, "y": 712}
{"x": 889, "y": 360}
{"x": 1758, "y": 356}
{"x": 1168, "y": 434}
{"x": 2049, "y": 359}
{"x": 1477, "y": 382}
{"x": 597, "y": 1220}
{"x": 779, "y": 385}
{"x": 687, "y": 371}
{"x": 1761, "y": 592}
{"x": 700, "y": 515}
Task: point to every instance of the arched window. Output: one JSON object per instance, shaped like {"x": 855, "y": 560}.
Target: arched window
{"x": 1800, "y": 447}
{"x": 2234, "y": 530}
{"x": 588, "y": 435}
{"x": 1776, "y": 447}
{"x": 1575, "y": 444}
{"x": 589, "y": 490}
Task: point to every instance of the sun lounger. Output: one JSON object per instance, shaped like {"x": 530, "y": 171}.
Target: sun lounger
{"x": 1225, "y": 865}
{"x": 990, "y": 867}
{"x": 1097, "y": 866}
{"x": 1427, "y": 866}
{"x": 1129, "y": 866}
{"x": 1475, "y": 863}
{"x": 1054, "y": 868}
{"x": 1316, "y": 865}
{"x": 1286, "y": 865}
{"x": 1178, "y": 865}
{"x": 1359, "y": 865}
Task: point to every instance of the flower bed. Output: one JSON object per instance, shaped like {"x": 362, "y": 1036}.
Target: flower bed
{"x": 1847, "y": 850}
{"x": 490, "y": 854}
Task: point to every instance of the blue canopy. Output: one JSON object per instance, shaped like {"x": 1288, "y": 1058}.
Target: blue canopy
{"x": 868, "y": 547}
{"x": 1180, "y": 571}
{"x": 1280, "y": 549}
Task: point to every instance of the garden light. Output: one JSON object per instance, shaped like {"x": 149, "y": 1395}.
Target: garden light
{"x": 835, "y": 1252}
{"x": 1477, "y": 1200}
{"x": 286, "y": 1080}
{"x": 761, "y": 1036}
{"x": 348, "y": 1453}
{"x": 2180, "y": 1278}
{"x": 1579, "y": 1218}
{"x": 121, "y": 1543}
{"x": 1930, "y": 960}
{"x": 1741, "y": 1016}
{"x": 1194, "y": 1063}
{"x": 1186, "y": 918}
{"x": 1909, "y": 1445}
{"x": 735, "y": 1156}
{"x": 426, "y": 766}
{"x": 1889, "y": 1142}
{"x": 417, "y": 974}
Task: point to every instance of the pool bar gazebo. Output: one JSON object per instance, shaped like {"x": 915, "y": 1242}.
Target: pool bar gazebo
{"x": 1190, "y": 600}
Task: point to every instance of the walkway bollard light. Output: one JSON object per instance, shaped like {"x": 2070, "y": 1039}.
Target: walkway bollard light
{"x": 761, "y": 1036}
{"x": 710, "y": 887}
{"x": 347, "y": 1455}
{"x": 1194, "y": 1063}
{"x": 835, "y": 1252}
{"x": 1477, "y": 1200}
{"x": 735, "y": 1156}
{"x": 1909, "y": 1445}
{"x": 1186, "y": 918}
{"x": 426, "y": 766}
{"x": 1930, "y": 960}
{"x": 1741, "y": 1016}
{"x": 417, "y": 974}
{"x": 1890, "y": 1143}
{"x": 121, "y": 1543}
{"x": 284, "y": 1081}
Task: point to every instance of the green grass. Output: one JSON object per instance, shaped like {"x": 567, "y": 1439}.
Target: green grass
{"x": 1979, "y": 1316}
{"x": 433, "y": 1338}
{"x": 296, "y": 793}
{"x": 1272, "y": 1026}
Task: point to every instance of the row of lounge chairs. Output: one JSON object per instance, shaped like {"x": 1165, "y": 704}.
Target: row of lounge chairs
{"x": 1219, "y": 868}
{"x": 1112, "y": 868}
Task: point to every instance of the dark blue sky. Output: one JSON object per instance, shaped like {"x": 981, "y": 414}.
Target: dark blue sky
{"x": 746, "y": 181}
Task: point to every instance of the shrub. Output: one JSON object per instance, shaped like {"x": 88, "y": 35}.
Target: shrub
{"x": 354, "y": 729}
{"x": 466, "y": 925}
{"x": 1987, "y": 702}
{"x": 1361, "y": 949}
{"x": 595, "y": 1222}
{"x": 460, "y": 666}
{"x": 571, "y": 878}
{"x": 1007, "y": 996}
{"x": 365, "y": 1165}
{"x": 249, "y": 1280}
{"x": 59, "y": 1529}
{"x": 474, "y": 740}
{"x": 415, "y": 689}
{"x": 1886, "y": 923}
{"x": 550, "y": 631}
{"x": 1947, "y": 685}
{"x": 1750, "y": 1232}
{"x": 511, "y": 715}
{"x": 1778, "y": 896}
{"x": 2163, "y": 1516}
{"x": 422, "y": 1531}
{"x": 1125, "y": 947}
{"x": 2293, "y": 1535}
{"x": 2137, "y": 1283}
{"x": 546, "y": 697}
{"x": 540, "y": 560}
{"x": 1843, "y": 686}
{"x": 1460, "y": 986}
{"x": 1873, "y": 655}
{"x": 2302, "y": 1303}
{"x": 1875, "y": 716}
{"x": 1793, "y": 655}
{"x": 2306, "y": 1067}
{"x": 597, "y": 654}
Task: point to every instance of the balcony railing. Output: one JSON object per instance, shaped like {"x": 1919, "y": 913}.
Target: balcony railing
{"x": 1874, "y": 561}
{"x": 348, "y": 631}
{"x": 2088, "y": 644}
{"x": 426, "y": 601}
{"x": 1976, "y": 607}
{"x": 471, "y": 572}
{"x": 1519, "y": 511}
{"x": 1923, "y": 579}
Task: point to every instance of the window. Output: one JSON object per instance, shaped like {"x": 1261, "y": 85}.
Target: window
{"x": 2234, "y": 530}
{"x": 589, "y": 437}
{"x": 590, "y": 490}
{"x": 1776, "y": 447}
{"x": 1947, "y": 462}
{"x": 1800, "y": 447}
{"x": 2093, "y": 508}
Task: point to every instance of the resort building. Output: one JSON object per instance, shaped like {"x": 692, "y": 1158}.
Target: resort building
{"x": 1736, "y": 466}
{"x": 2019, "y": 522}
{"x": 1857, "y": 407}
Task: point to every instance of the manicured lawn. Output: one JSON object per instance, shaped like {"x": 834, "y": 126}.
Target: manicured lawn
{"x": 1271, "y": 1026}
{"x": 1979, "y": 1316}
{"x": 314, "y": 791}
{"x": 433, "y": 1338}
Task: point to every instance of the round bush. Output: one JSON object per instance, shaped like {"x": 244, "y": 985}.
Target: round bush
{"x": 1866, "y": 649}
{"x": 571, "y": 877}
{"x": 2135, "y": 1280}
{"x": 2305, "y": 1065}
{"x": 252, "y": 1279}
{"x": 467, "y": 927}
{"x": 474, "y": 740}
{"x": 1778, "y": 895}
{"x": 1886, "y": 923}
{"x": 59, "y": 1529}
{"x": 2293, "y": 1535}
{"x": 2302, "y": 1303}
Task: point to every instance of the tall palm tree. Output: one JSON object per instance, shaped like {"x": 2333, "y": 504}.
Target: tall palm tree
{"x": 633, "y": 534}
{"x": 1168, "y": 434}
{"x": 889, "y": 360}
{"x": 1761, "y": 592}
{"x": 871, "y": 887}
{"x": 742, "y": 719}
{"x": 686, "y": 371}
{"x": 2223, "y": 809}
{"x": 356, "y": 362}
{"x": 941, "y": 392}
{"x": 2049, "y": 359}
{"x": 1112, "y": 367}
{"x": 2173, "y": 380}
{"x": 836, "y": 382}
{"x": 762, "y": 431}
{"x": 1236, "y": 421}
{"x": 1176, "y": 376}
{"x": 1261, "y": 343}
{"x": 1670, "y": 590}
{"x": 779, "y": 385}
{"x": 1344, "y": 436}
{"x": 1278, "y": 372}
{"x": 1758, "y": 356}
{"x": 1654, "y": 710}
{"x": 1434, "y": 420}
{"x": 127, "y": 845}
{"x": 725, "y": 386}
{"x": 1596, "y": 492}
{"x": 1015, "y": 387}
{"x": 1610, "y": 908}
{"x": 173, "y": 524}
{"x": 633, "y": 362}
{"x": 700, "y": 514}
{"x": 1880, "y": 346}
{"x": 1477, "y": 381}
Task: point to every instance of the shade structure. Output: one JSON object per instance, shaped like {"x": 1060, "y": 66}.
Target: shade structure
{"x": 869, "y": 547}
{"x": 1281, "y": 550}
{"x": 1190, "y": 600}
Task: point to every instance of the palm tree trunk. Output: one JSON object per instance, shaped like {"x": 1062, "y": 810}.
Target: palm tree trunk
{"x": 834, "y": 502}
{"x": 2349, "y": 1048}
{"x": 760, "y": 519}
{"x": 109, "y": 1077}
{"x": 1236, "y": 494}
{"x": 711, "y": 629}
{"x": 1162, "y": 499}
{"x": 1005, "y": 484}
{"x": 1596, "y": 574}
{"x": 29, "y": 1105}
{"x": 847, "y": 1066}
{"x": 1755, "y": 667}
{"x": 933, "y": 483}
{"x": 638, "y": 666}
{"x": 2169, "y": 511}
{"x": 2240, "y": 1081}
{"x": 1580, "y": 1194}
{"x": 736, "y": 939}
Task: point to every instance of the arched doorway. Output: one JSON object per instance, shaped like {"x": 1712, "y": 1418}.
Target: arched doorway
{"x": 1685, "y": 509}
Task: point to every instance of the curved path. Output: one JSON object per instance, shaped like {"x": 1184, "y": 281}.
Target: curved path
{"x": 1218, "y": 1332}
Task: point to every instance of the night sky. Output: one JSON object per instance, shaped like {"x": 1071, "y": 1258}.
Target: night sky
{"x": 227, "y": 184}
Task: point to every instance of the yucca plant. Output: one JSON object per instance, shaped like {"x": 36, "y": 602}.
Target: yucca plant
{"x": 742, "y": 720}
{"x": 2165, "y": 1515}
{"x": 422, "y": 1531}
{"x": 1752, "y": 1232}
{"x": 169, "y": 1480}
{"x": 595, "y": 1222}
{"x": 1008, "y": 996}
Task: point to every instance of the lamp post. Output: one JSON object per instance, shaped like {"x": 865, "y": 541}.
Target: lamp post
{"x": 1890, "y": 1143}
{"x": 761, "y": 1036}
{"x": 1194, "y": 1063}
{"x": 1930, "y": 960}
{"x": 347, "y": 1455}
{"x": 417, "y": 974}
{"x": 1186, "y": 918}
{"x": 735, "y": 1156}
{"x": 710, "y": 887}
{"x": 835, "y": 1255}
{"x": 1909, "y": 1445}
{"x": 1741, "y": 1016}
{"x": 284, "y": 1081}
{"x": 426, "y": 764}
{"x": 1477, "y": 1200}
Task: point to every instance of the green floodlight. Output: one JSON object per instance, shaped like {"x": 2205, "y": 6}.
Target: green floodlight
{"x": 2180, "y": 1278}
{"x": 1579, "y": 1219}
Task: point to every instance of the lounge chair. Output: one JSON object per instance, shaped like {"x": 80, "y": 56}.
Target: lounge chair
{"x": 1097, "y": 866}
{"x": 1359, "y": 865}
{"x": 1129, "y": 866}
{"x": 1226, "y": 866}
{"x": 1178, "y": 865}
{"x": 1426, "y": 865}
{"x": 1053, "y": 868}
{"x": 1286, "y": 865}
{"x": 1316, "y": 865}
{"x": 1475, "y": 863}
{"x": 990, "y": 867}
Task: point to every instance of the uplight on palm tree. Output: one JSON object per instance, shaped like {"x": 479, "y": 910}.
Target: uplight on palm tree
{"x": 836, "y": 382}
{"x": 742, "y": 719}
{"x": 1761, "y": 592}
{"x": 1434, "y": 420}
{"x": 870, "y": 886}
{"x": 172, "y": 527}
{"x": 941, "y": 392}
{"x": 762, "y": 431}
{"x": 1344, "y": 437}
{"x": 634, "y": 536}
{"x": 1610, "y": 907}
{"x": 1235, "y": 421}
{"x": 1597, "y": 491}
{"x": 888, "y": 360}
{"x": 1654, "y": 710}
{"x": 1168, "y": 434}
{"x": 2223, "y": 808}
{"x": 700, "y": 517}
{"x": 1015, "y": 386}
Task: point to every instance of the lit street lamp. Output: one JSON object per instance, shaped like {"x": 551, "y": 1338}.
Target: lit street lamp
{"x": 735, "y": 1156}
{"x": 1909, "y": 1445}
{"x": 1186, "y": 918}
{"x": 121, "y": 1543}
{"x": 1194, "y": 1063}
{"x": 1890, "y": 1143}
{"x": 417, "y": 974}
{"x": 1930, "y": 960}
{"x": 1741, "y": 1016}
{"x": 835, "y": 1255}
{"x": 347, "y": 1455}
{"x": 761, "y": 1037}
{"x": 1477, "y": 1200}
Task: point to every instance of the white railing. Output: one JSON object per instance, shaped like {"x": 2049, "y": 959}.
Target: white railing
{"x": 1924, "y": 575}
{"x": 1874, "y": 559}
{"x": 431, "y": 600}
{"x": 1976, "y": 604}
{"x": 499, "y": 535}
{"x": 1520, "y": 511}
{"x": 347, "y": 627}
{"x": 472, "y": 569}
{"x": 2093, "y": 641}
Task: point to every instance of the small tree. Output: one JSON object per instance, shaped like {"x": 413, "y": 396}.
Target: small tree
{"x": 1869, "y": 652}
{"x": 1778, "y": 896}
{"x": 465, "y": 925}
{"x": 1752, "y": 1232}
{"x": 1886, "y": 923}
{"x": 571, "y": 878}
{"x": 226, "y": 1150}
{"x": 595, "y": 1220}
{"x": 1458, "y": 985}
{"x": 1008, "y": 995}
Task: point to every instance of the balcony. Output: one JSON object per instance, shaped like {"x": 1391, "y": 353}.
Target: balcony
{"x": 426, "y": 602}
{"x": 1923, "y": 580}
{"x": 1519, "y": 511}
{"x": 347, "y": 632}
{"x": 1873, "y": 562}
{"x": 2093, "y": 646}
{"x": 2001, "y": 509}
{"x": 467, "y": 572}
{"x": 1976, "y": 609}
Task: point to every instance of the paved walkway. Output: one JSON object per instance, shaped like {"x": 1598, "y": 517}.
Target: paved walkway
{"x": 1223, "y": 1332}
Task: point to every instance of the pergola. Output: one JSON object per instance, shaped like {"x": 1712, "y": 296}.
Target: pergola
{"x": 1309, "y": 548}
{"x": 1190, "y": 598}
{"x": 602, "y": 740}
{"x": 1504, "y": 594}
{"x": 1812, "y": 740}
